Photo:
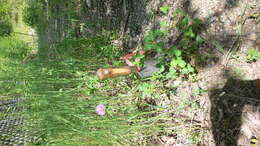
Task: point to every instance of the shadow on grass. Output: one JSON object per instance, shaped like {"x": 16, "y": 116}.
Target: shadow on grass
{"x": 228, "y": 110}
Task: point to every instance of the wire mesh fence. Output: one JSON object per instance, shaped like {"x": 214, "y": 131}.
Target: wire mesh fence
{"x": 11, "y": 123}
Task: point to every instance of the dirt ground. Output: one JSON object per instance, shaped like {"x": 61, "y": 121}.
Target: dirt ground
{"x": 231, "y": 101}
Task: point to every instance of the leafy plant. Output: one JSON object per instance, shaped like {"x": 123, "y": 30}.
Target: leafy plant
{"x": 253, "y": 55}
{"x": 151, "y": 41}
{"x": 176, "y": 58}
{"x": 178, "y": 66}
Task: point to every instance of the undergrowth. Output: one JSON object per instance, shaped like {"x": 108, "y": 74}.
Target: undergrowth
{"x": 60, "y": 90}
{"x": 174, "y": 61}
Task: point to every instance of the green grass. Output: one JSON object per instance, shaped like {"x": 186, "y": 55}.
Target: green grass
{"x": 61, "y": 94}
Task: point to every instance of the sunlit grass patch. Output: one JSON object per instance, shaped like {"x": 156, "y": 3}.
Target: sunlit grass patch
{"x": 11, "y": 72}
{"x": 12, "y": 48}
{"x": 57, "y": 112}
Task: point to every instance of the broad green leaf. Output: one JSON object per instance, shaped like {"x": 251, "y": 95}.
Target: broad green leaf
{"x": 189, "y": 33}
{"x": 171, "y": 75}
{"x": 177, "y": 52}
{"x": 172, "y": 70}
{"x": 192, "y": 70}
{"x": 181, "y": 63}
{"x": 164, "y": 9}
{"x": 162, "y": 68}
{"x": 174, "y": 63}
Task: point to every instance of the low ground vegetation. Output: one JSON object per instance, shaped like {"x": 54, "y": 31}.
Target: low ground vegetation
{"x": 60, "y": 90}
